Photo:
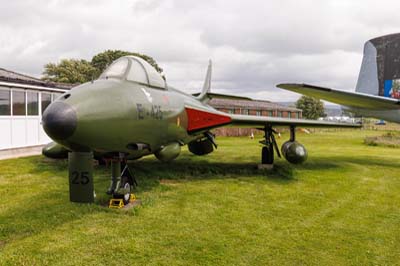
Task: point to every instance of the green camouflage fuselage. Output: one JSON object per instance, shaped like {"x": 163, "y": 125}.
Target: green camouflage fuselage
{"x": 117, "y": 115}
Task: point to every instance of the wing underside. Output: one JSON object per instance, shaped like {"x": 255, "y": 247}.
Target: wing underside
{"x": 260, "y": 121}
{"x": 350, "y": 99}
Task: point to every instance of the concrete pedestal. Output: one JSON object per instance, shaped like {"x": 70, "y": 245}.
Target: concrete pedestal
{"x": 80, "y": 165}
{"x": 265, "y": 166}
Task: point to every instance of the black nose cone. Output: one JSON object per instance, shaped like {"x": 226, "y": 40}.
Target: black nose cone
{"x": 59, "y": 121}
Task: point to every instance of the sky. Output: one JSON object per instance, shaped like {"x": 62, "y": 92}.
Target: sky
{"x": 253, "y": 44}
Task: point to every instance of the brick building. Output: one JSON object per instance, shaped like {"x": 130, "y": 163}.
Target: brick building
{"x": 247, "y": 106}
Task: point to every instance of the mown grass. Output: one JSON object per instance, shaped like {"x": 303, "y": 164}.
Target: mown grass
{"x": 340, "y": 208}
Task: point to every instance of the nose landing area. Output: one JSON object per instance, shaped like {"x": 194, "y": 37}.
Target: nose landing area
{"x": 59, "y": 121}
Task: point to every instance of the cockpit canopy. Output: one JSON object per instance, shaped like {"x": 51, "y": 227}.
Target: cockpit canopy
{"x": 135, "y": 69}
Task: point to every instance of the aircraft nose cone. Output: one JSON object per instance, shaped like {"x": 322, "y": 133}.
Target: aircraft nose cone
{"x": 59, "y": 121}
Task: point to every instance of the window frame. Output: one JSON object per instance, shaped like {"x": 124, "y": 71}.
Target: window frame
{"x": 129, "y": 70}
{"x": 41, "y": 100}
{"x": 9, "y": 102}
{"x": 12, "y": 102}
{"x": 149, "y": 84}
{"x": 37, "y": 102}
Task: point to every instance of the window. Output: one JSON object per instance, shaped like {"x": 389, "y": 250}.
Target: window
{"x": 270, "y": 113}
{"x": 56, "y": 95}
{"x": 18, "y": 104}
{"x": 289, "y": 114}
{"x": 137, "y": 72}
{"x": 230, "y": 111}
{"x": 5, "y": 102}
{"x": 46, "y": 100}
{"x": 279, "y": 113}
{"x": 117, "y": 69}
{"x": 258, "y": 113}
{"x": 245, "y": 111}
{"x": 33, "y": 102}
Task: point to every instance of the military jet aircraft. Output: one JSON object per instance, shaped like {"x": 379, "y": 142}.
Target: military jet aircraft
{"x": 378, "y": 86}
{"x": 131, "y": 112}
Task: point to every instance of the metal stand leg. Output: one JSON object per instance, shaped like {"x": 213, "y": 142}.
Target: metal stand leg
{"x": 267, "y": 155}
{"x": 115, "y": 176}
{"x": 129, "y": 173}
{"x": 292, "y": 133}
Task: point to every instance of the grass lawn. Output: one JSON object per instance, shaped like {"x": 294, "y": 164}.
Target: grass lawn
{"x": 342, "y": 207}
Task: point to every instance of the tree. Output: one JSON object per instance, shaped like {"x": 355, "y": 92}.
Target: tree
{"x": 80, "y": 71}
{"x": 69, "y": 71}
{"x": 102, "y": 60}
{"x": 312, "y": 108}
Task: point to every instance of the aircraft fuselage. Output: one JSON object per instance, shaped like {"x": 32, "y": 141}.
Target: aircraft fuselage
{"x": 122, "y": 116}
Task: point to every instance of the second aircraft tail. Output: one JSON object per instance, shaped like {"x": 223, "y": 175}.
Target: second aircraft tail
{"x": 380, "y": 68}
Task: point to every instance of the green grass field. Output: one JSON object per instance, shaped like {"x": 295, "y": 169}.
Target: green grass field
{"x": 342, "y": 207}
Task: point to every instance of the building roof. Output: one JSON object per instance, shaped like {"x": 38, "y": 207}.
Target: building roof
{"x": 250, "y": 104}
{"x": 11, "y": 76}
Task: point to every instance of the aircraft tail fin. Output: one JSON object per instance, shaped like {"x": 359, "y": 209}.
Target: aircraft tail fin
{"x": 207, "y": 84}
{"x": 380, "y": 68}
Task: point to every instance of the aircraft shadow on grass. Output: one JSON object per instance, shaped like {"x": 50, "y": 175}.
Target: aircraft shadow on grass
{"x": 336, "y": 161}
{"x": 148, "y": 172}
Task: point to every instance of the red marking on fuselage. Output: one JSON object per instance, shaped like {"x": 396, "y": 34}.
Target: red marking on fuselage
{"x": 165, "y": 99}
{"x": 198, "y": 119}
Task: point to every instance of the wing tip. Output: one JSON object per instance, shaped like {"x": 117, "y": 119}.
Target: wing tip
{"x": 289, "y": 86}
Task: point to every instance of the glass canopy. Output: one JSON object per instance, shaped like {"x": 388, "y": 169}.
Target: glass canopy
{"x": 135, "y": 69}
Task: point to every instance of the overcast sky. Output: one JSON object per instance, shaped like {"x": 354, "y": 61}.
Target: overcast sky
{"x": 253, "y": 44}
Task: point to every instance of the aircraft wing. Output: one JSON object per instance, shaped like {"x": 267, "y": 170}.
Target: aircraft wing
{"x": 346, "y": 98}
{"x": 259, "y": 121}
{"x": 201, "y": 120}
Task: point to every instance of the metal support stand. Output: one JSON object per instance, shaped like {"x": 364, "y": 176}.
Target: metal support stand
{"x": 122, "y": 179}
{"x": 115, "y": 176}
{"x": 267, "y": 154}
{"x": 292, "y": 133}
{"x": 129, "y": 173}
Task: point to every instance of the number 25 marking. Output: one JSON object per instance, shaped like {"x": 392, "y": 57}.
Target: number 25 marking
{"x": 80, "y": 178}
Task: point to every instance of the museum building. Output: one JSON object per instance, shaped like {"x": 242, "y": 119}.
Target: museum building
{"x": 22, "y": 102}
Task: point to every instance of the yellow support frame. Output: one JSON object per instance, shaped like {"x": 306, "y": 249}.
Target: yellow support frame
{"x": 119, "y": 203}
{"x": 132, "y": 198}
{"x": 116, "y": 203}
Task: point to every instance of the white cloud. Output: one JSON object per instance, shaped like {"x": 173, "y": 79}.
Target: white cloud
{"x": 253, "y": 44}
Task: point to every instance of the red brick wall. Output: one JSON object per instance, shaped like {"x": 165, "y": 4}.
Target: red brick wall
{"x": 232, "y": 131}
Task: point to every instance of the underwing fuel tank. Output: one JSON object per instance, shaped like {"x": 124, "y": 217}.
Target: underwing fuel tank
{"x": 55, "y": 151}
{"x": 201, "y": 147}
{"x": 294, "y": 152}
{"x": 168, "y": 152}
